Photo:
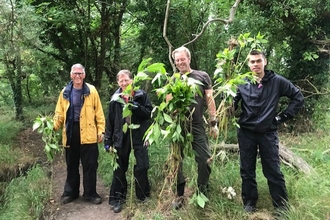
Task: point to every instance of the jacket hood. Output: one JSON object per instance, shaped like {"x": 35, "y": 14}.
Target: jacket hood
{"x": 268, "y": 75}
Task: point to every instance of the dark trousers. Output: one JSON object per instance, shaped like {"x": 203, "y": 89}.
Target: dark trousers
{"x": 202, "y": 152}
{"x": 270, "y": 161}
{"x": 88, "y": 155}
{"x": 118, "y": 189}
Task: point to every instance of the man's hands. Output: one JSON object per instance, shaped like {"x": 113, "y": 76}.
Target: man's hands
{"x": 133, "y": 105}
{"x": 109, "y": 148}
{"x": 214, "y": 130}
{"x": 100, "y": 138}
{"x": 281, "y": 118}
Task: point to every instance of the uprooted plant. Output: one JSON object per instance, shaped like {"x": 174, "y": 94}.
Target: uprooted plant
{"x": 228, "y": 76}
{"x": 51, "y": 138}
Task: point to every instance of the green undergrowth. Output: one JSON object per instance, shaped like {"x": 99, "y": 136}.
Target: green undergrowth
{"x": 22, "y": 194}
{"x": 25, "y": 196}
{"x": 308, "y": 193}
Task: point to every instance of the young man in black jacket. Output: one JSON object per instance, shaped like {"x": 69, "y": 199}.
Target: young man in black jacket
{"x": 258, "y": 130}
{"x": 115, "y": 138}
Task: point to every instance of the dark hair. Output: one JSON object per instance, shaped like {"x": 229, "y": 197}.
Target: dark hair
{"x": 257, "y": 52}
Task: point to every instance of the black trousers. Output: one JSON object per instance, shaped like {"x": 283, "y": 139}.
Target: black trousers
{"x": 118, "y": 189}
{"x": 267, "y": 143}
{"x": 88, "y": 155}
{"x": 202, "y": 152}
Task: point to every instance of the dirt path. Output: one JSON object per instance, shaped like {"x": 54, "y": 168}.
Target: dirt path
{"x": 79, "y": 209}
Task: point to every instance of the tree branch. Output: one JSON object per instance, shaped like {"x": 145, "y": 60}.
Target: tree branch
{"x": 170, "y": 46}
{"x": 230, "y": 20}
{"x": 311, "y": 93}
{"x": 165, "y": 36}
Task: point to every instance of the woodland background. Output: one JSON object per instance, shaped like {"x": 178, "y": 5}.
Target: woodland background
{"x": 40, "y": 40}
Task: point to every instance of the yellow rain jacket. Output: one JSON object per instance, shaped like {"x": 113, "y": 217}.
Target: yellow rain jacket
{"x": 92, "y": 121}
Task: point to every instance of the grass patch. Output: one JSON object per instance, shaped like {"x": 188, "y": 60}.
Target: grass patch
{"x": 307, "y": 193}
{"x": 8, "y": 156}
{"x": 9, "y": 128}
{"x": 25, "y": 196}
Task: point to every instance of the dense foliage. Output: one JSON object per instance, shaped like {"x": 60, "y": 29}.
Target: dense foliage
{"x": 40, "y": 40}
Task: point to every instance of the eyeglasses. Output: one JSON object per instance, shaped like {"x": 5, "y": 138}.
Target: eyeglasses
{"x": 77, "y": 73}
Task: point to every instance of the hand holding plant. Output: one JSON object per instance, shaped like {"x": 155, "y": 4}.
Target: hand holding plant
{"x": 45, "y": 125}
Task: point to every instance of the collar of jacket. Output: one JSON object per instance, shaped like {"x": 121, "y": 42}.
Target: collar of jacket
{"x": 68, "y": 89}
{"x": 268, "y": 74}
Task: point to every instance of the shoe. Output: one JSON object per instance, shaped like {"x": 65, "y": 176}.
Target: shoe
{"x": 96, "y": 200}
{"x": 144, "y": 200}
{"x": 249, "y": 208}
{"x": 112, "y": 204}
{"x": 67, "y": 199}
{"x": 117, "y": 207}
{"x": 203, "y": 189}
{"x": 177, "y": 203}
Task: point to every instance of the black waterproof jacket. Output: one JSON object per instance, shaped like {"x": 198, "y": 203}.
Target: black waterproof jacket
{"x": 115, "y": 121}
{"x": 259, "y": 102}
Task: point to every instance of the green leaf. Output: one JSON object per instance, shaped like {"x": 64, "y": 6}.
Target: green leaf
{"x": 156, "y": 68}
{"x": 126, "y": 111}
{"x": 49, "y": 124}
{"x": 54, "y": 146}
{"x": 200, "y": 201}
{"x": 125, "y": 126}
{"x": 133, "y": 126}
{"x": 168, "y": 118}
{"x": 36, "y": 125}
{"x": 47, "y": 148}
{"x": 143, "y": 64}
{"x": 156, "y": 131}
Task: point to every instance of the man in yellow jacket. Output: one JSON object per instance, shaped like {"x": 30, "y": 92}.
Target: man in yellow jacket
{"x": 80, "y": 115}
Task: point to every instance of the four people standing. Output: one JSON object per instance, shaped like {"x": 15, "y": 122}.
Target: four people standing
{"x": 79, "y": 112}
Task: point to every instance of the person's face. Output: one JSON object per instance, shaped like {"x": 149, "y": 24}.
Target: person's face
{"x": 77, "y": 76}
{"x": 124, "y": 81}
{"x": 182, "y": 62}
{"x": 257, "y": 63}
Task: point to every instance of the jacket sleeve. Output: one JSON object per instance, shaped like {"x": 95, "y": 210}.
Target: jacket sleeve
{"x": 59, "y": 113}
{"x": 295, "y": 96}
{"x": 237, "y": 98}
{"x": 99, "y": 115}
{"x": 109, "y": 128}
{"x": 144, "y": 107}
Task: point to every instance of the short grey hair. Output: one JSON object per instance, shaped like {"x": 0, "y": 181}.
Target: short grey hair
{"x": 182, "y": 49}
{"x": 124, "y": 72}
{"x": 79, "y": 66}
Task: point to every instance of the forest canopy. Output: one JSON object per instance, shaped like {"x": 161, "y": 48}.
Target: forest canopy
{"x": 40, "y": 40}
